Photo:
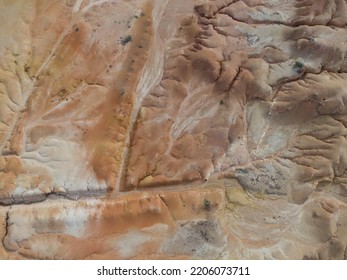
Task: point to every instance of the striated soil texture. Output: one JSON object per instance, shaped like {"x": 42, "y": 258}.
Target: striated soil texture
{"x": 173, "y": 129}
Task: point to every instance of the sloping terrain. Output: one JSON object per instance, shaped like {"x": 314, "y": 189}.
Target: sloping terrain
{"x": 200, "y": 129}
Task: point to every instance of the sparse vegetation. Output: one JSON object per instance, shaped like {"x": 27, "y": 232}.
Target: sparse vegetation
{"x": 125, "y": 40}
{"x": 298, "y": 66}
{"x": 207, "y": 204}
{"x": 243, "y": 171}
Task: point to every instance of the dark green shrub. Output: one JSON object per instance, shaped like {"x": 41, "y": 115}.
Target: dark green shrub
{"x": 207, "y": 204}
{"x": 298, "y": 66}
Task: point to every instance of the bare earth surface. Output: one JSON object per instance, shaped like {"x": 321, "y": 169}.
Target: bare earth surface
{"x": 173, "y": 129}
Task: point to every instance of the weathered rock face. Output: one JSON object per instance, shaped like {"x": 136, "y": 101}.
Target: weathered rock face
{"x": 173, "y": 129}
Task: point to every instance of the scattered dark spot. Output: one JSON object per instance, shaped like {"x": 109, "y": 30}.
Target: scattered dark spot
{"x": 204, "y": 234}
{"x": 140, "y": 46}
{"x": 77, "y": 29}
{"x": 221, "y": 102}
{"x": 26, "y": 68}
{"x": 122, "y": 92}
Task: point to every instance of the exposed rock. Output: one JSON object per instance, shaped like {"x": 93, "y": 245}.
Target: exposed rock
{"x": 173, "y": 129}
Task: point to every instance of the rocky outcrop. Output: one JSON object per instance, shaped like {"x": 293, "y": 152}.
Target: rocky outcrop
{"x": 173, "y": 129}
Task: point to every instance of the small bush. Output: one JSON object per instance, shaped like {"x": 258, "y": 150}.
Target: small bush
{"x": 298, "y": 66}
{"x": 243, "y": 171}
{"x": 125, "y": 40}
{"x": 207, "y": 204}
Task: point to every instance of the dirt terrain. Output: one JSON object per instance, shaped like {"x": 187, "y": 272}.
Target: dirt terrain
{"x": 173, "y": 129}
